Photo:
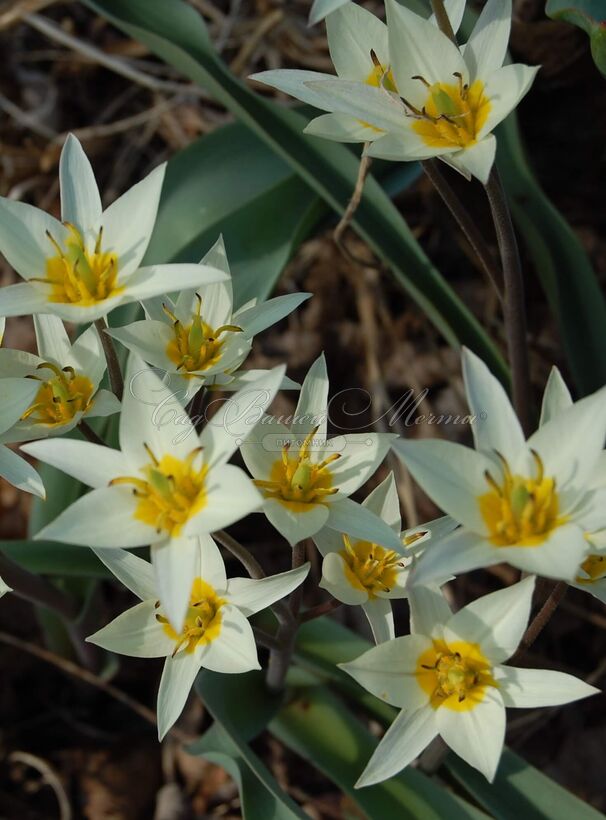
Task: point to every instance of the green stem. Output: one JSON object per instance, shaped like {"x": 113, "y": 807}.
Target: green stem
{"x": 279, "y": 659}
{"x": 88, "y": 432}
{"x": 111, "y": 357}
{"x": 514, "y": 304}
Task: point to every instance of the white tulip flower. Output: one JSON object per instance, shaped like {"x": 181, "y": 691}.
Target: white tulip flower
{"x": 529, "y": 503}
{"x": 448, "y": 679}
{"x": 215, "y": 633}
{"x": 166, "y": 484}
{"x": 89, "y": 263}
{"x": 4, "y": 588}
{"x": 306, "y": 479}
{"x": 68, "y": 378}
{"x": 362, "y": 573}
{"x": 16, "y": 395}
{"x": 443, "y": 101}
{"x": 199, "y": 339}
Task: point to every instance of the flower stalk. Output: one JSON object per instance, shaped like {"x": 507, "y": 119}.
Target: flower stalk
{"x": 113, "y": 363}
{"x": 279, "y": 659}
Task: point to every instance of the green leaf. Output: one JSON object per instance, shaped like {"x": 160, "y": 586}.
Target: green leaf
{"x": 242, "y": 706}
{"x": 318, "y": 727}
{"x": 560, "y": 261}
{"x": 589, "y": 15}
{"x": 52, "y": 558}
{"x": 520, "y": 790}
{"x": 230, "y": 182}
{"x": 178, "y": 35}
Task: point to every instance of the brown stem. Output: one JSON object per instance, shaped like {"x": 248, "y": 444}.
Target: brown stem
{"x": 354, "y": 202}
{"x": 113, "y": 364}
{"x": 279, "y": 660}
{"x": 319, "y": 610}
{"x": 541, "y": 619}
{"x": 88, "y": 432}
{"x": 443, "y": 20}
{"x": 36, "y": 589}
{"x": 265, "y": 639}
{"x": 514, "y": 305}
{"x": 466, "y": 223}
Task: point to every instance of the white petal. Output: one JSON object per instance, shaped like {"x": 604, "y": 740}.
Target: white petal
{"x": 251, "y": 596}
{"x": 258, "y": 318}
{"x": 209, "y": 562}
{"x": 24, "y": 240}
{"x": 496, "y": 621}
{"x": 102, "y": 518}
{"x": 476, "y": 735}
{"x": 487, "y": 46}
{"x": 136, "y": 633}
{"x": 341, "y": 128}
{"x": 237, "y": 417}
{"x": 360, "y": 456}
{"x": 453, "y": 476}
{"x": 129, "y": 221}
{"x": 406, "y": 738}
{"x": 264, "y": 447}
{"x": 556, "y": 397}
{"x": 177, "y": 679}
{"x": 418, "y": 48}
{"x": 234, "y": 649}
{"x": 380, "y": 617}
{"x": 460, "y": 552}
{"x": 2, "y": 328}
{"x": 312, "y": 408}
{"x": 374, "y": 106}
{"x": 16, "y": 396}
{"x": 230, "y": 496}
{"x": 19, "y": 473}
{"x": 322, "y": 8}
{"x": 429, "y": 611}
{"x": 571, "y": 443}
{"x": 23, "y": 299}
{"x": 353, "y": 32}
{"x": 495, "y": 425}
{"x": 295, "y": 523}
{"x": 52, "y": 340}
{"x": 295, "y": 82}
{"x": 455, "y": 10}
{"x": 328, "y": 541}
{"x": 152, "y": 415}
{"x": 336, "y": 581}
{"x": 91, "y": 464}
{"x": 505, "y": 88}
{"x": 157, "y": 279}
{"x": 406, "y": 145}
{"x": 384, "y": 502}
{"x": 530, "y": 688}
{"x": 149, "y": 339}
{"x": 80, "y": 200}
{"x": 104, "y": 404}
{"x": 477, "y": 160}
{"x": 354, "y": 519}
{"x": 86, "y": 356}
{"x": 75, "y": 313}
{"x": 4, "y": 588}
{"x": 132, "y": 571}
{"x": 388, "y": 671}
{"x": 557, "y": 557}
{"x": 174, "y": 563}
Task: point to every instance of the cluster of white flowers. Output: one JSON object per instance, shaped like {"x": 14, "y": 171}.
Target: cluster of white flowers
{"x": 539, "y": 505}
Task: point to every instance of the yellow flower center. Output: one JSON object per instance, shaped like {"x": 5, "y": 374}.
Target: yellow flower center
{"x": 296, "y": 481}
{"x": 196, "y": 346}
{"x": 202, "y": 622}
{"x": 370, "y": 567}
{"x": 594, "y": 566}
{"x": 171, "y": 491}
{"x": 79, "y": 276}
{"x": 520, "y": 512}
{"x": 455, "y": 676}
{"x": 60, "y": 397}
{"x": 453, "y": 114}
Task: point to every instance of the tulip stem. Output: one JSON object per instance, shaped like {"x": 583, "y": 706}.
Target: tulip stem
{"x": 111, "y": 357}
{"x": 36, "y": 589}
{"x": 321, "y": 609}
{"x": 466, "y": 223}
{"x": 279, "y": 659}
{"x": 514, "y": 304}
{"x": 88, "y": 433}
{"x": 443, "y": 20}
{"x": 541, "y": 619}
